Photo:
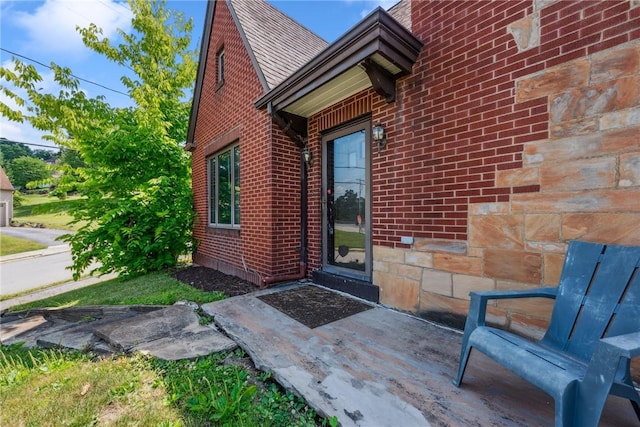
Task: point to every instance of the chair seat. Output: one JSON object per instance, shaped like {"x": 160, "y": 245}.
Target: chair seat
{"x": 528, "y": 359}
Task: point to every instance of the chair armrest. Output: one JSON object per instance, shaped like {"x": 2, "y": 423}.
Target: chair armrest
{"x": 601, "y": 373}
{"x": 525, "y": 293}
{"x": 479, "y": 299}
{"x": 627, "y": 345}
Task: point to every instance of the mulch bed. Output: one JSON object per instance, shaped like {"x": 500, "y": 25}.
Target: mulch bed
{"x": 313, "y": 306}
{"x": 211, "y": 280}
{"x": 310, "y": 305}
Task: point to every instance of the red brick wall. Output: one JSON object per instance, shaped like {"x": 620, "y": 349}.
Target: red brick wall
{"x": 517, "y": 131}
{"x": 457, "y": 131}
{"x": 457, "y": 123}
{"x": 267, "y": 240}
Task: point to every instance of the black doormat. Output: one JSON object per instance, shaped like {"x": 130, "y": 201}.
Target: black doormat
{"x": 313, "y": 306}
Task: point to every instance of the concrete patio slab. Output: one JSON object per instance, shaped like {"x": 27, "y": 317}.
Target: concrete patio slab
{"x": 381, "y": 367}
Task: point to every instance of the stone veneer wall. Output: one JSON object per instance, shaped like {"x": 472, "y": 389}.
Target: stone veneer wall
{"x": 583, "y": 182}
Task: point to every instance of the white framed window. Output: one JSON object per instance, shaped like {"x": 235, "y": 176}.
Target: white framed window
{"x": 224, "y": 187}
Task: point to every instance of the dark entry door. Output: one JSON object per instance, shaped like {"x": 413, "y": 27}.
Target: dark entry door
{"x": 346, "y": 202}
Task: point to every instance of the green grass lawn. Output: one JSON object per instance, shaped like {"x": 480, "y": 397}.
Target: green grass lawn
{"x": 154, "y": 288}
{"x": 76, "y": 388}
{"x": 14, "y": 245}
{"x": 349, "y": 238}
{"x": 49, "y": 211}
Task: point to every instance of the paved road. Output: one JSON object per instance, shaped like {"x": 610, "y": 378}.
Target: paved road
{"x": 44, "y": 236}
{"x": 34, "y": 272}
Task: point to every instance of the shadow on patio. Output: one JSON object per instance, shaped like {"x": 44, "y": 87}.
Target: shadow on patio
{"x": 381, "y": 367}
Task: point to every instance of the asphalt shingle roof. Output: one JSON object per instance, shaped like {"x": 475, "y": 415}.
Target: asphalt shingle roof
{"x": 279, "y": 44}
{"x": 5, "y": 184}
{"x": 401, "y": 12}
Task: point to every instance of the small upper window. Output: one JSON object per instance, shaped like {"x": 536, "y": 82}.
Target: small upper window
{"x": 220, "y": 62}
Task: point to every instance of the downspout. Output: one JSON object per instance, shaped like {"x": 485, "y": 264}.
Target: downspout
{"x": 302, "y": 273}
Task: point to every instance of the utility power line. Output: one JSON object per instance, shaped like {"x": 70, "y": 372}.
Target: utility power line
{"x": 47, "y": 66}
{"x": 7, "y": 141}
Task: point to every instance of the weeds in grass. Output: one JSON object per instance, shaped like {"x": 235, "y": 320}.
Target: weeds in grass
{"x": 38, "y": 386}
{"x": 74, "y": 388}
{"x": 231, "y": 395}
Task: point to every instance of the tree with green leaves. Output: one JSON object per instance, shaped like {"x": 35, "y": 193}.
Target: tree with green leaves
{"x": 138, "y": 210}
{"x": 24, "y": 170}
{"x": 12, "y": 150}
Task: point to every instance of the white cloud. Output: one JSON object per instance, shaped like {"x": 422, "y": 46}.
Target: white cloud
{"x": 52, "y": 26}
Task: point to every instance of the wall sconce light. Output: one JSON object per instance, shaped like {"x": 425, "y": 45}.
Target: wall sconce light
{"x": 308, "y": 156}
{"x": 379, "y": 136}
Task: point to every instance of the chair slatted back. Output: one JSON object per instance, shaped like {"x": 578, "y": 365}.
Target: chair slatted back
{"x": 598, "y": 295}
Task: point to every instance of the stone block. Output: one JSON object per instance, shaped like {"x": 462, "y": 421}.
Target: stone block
{"x": 513, "y": 265}
{"x": 553, "y": 80}
{"x": 583, "y": 126}
{"x": 497, "y": 316}
{"x": 538, "y": 307}
{"x": 381, "y": 266}
{"x": 630, "y": 169}
{"x": 577, "y": 201}
{"x": 464, "y": 283}
{"x": 438, "y": 282}
{"x": 440, "y": 245}
{"x": 543, "y": 227}
{"x": 582, "y": 147}
{"x": 476, "y": 252}
{"x": 553, "y": 268}
{"x": 517, "y": 177}
{"x": 409, "y": 271}
{"x": 529, "y": 326}
{"x": 620, "y": 119}
{"x": 580, "y": 174}
{"x": 488, "y": 208}
{"x": 387, "y": 254}
{"x": 526, "y": 32}
{"x": 615, "y": 63}
{"x": 539, "y": 4}
{"x": 497, "y": 231}
{"x": 420, "y": 259}
{"x": 435, "y": 302}
{"x": 594, "y": 100}
{"x": 620, "y": 228}
{"x": 397, "y": 292}
{"x": 556, "y": 247}
{"x": 457, "y": 263}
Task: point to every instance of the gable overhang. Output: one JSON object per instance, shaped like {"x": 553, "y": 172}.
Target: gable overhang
{"x": 190, "y": 143}
{"x": 374, "y": 53}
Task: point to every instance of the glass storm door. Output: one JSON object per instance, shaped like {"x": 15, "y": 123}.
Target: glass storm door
{"x": 346, "y": 202}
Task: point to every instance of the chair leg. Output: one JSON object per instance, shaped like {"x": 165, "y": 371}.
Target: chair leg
{"x": 636, "y": 408}
{"x": 464, "y": 358}
{"x": 565, "y": 409}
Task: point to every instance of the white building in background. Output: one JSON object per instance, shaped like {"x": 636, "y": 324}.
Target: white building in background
{"x": 6, "y": 199}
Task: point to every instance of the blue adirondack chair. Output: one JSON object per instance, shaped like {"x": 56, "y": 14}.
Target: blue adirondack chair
{"x": 593, "y": 334}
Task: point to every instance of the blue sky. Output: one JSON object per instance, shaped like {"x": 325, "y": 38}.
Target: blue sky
{"x": 44, "y": 31}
